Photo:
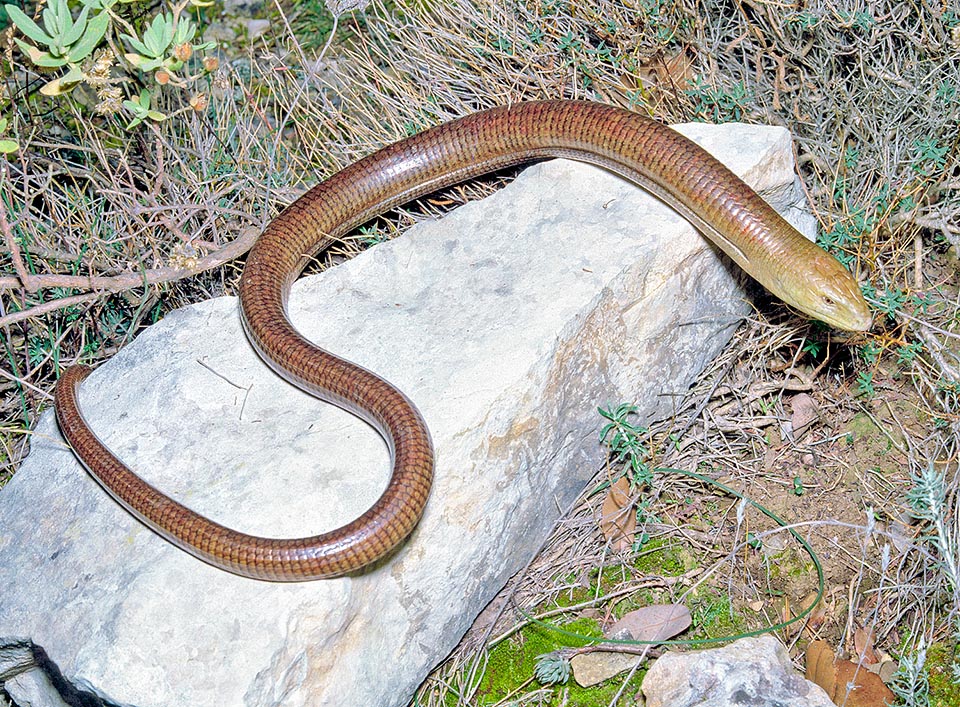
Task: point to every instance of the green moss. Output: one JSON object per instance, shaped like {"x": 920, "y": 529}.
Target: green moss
{"x": 790, "y": 563}
{"x": 944, "y": 691}
{"x": 862, "y": 427}
{"x": 714, "y": 616}
{"x": 658, "y": 557}
{"x": 511, "y": 664}
{"x": 662, "y": 557}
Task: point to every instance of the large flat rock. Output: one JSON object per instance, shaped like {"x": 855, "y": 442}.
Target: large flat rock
{"x": 508, "y": 322}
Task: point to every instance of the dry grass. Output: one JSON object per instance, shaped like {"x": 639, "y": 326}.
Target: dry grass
{"x": 111, "y": 230}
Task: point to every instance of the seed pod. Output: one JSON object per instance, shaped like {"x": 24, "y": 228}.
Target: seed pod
{"x": 183, "y": 52}
{"x": 199, "y": 102}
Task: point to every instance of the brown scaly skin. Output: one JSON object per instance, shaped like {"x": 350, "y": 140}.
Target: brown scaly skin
{"x": 653, "y": 156}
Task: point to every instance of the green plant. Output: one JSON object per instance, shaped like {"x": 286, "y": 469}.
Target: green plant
{"x": 870, "y": 352}
{"x": 814, "y": 348}
{"x": 929, "y": 501}
{"x": 167, "y": 44}
{"x": 66, "y": 41}
{"x": 911, "y": 681}
{"x": 907, "y": 353}
{"x": 141, "y": 109}
{"x": 623, "y": 438}
{"x": 865, "y": 384}
{"x": 718, "y": 104}
{"x": 929, "y": 157}
{"x": 6, "y": 144}
{"x": 552, "y": 668}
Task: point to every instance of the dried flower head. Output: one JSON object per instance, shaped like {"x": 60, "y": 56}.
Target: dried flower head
{"x": 111, "y": 100}
{"x": 210, "y": 63}
{"x": 184, "y": 257}
{"x": 221, "y": 80}
{"x": 97, "y": 73}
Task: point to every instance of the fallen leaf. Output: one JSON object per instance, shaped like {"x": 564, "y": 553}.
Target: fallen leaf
{"x": 618, "y": 519}
{"x": 817, "y": 617}
{"x": 820, "y": 666}
{"x": 652, "y": 83}
{"x": 844, "y": 682}
{"x": 888, "y": 668}
{"x": 668, "y": 70}
{"x": 657, "y": 622}
{"x": 863, "y": 642}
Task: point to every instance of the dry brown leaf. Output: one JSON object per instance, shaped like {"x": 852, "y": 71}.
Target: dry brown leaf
{"x": 668, "y": 70}
{"x": 816, "y": 620}
{"x": 863, "y": 642}
{"x": 820, "y": 666}
{"x": 844, "y": 682}
{"x": 817, "y": 617}
{"x": 651, "y": 623}
{"x": 618, "y": 519}
{"x": 655, "y": 80}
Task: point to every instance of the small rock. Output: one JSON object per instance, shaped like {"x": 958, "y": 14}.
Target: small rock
{"x": 243, "y": 8}
{"x": 219, "y": 32}
{"x": 751, "y": 671}
{"x": 805, "y": 412}
{"x": 257, "y": 28}
{"x": 593, "y": 668}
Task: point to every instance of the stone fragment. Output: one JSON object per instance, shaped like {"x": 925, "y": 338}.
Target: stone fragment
{"x": 593, "y": 668}
{"x": 751, "y": 671}
{"x": 256, "y": 28}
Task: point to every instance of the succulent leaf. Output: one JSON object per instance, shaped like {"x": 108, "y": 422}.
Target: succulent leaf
{"x": 139, "y": 46}
{"x": 27, "y": 26}
{"x": 96, "y": 28}
{"x": 158, "y": 35}
{"x": 51, "y": 22}
{"x": 168, "y": 30}
{"x": 47, "y": 60}
{"x": 75, "y": 30}
{"x": 185, "y": 31}
{"x": 150, "y": 64}
{"x": 55, "y": 88}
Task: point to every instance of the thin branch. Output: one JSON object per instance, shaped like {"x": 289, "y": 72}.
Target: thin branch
{"x": 24, "y": 278}
{"x": 127, "y": 281}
